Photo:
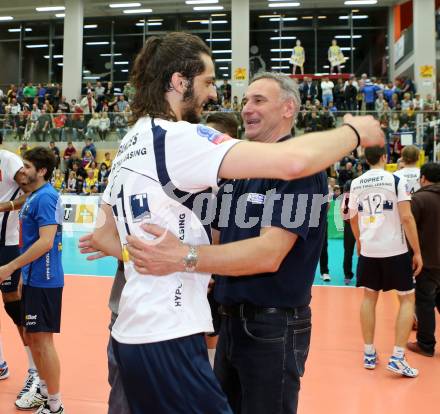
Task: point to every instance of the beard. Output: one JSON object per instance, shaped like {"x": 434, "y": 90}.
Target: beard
{"x": 190, "y": 105}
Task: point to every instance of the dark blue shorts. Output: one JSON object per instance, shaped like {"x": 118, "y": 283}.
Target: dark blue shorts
{"x": 8, "y": 254}
{"x": 41, "y": 309}
{"x": 385, "y": 273}
{"x": 170, "y": 377}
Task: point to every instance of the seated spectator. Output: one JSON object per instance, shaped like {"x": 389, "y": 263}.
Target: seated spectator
{"x": 104, "y": 126}
{"x": 345, "y": 174}
{"x": 394, "y": 122}
{"x": 79, "y": 127}
{"x": 94, "y": 166}
{"x": 379, "y": 105}
{"x": 119, "y": 123}
{"x": 58, "y": 180}
{"x": 89, "y": 182}
{"x": 87, "y": 159}
{"x": 312, "y": 122}
{"x": 64, "y": 105}
{"x": 69, "y": 152}
{"x": 58, "y": 125}
{"x": 122, "y": 103}
{"x": 107, "y": 160}
{"x": 80, "y": 174}
{"x": 20, "y": 125}
{"x": 90, "y": 146}
{"x": 93, "y": 125}
{"x": 48, "y": 107}
{"x": 56, "y": 152}
{"x": 406, "y": 101}
{"x": 326, "y": 119}
{"x": 102, "y": 175}
{"x": 71, "y": 183}
{"x": 88, "y": 103}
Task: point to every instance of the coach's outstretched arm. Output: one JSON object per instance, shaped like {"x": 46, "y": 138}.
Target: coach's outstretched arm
{"x": 302, "y": 156}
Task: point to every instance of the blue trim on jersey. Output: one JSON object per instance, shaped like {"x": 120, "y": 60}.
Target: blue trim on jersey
{"x": 396, "y": 184}
{"x": 184, "y": 198}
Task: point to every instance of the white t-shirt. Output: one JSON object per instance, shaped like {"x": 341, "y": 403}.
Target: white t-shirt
{"x": 10, "y": 163}
{"x": 154, "y": 159}
{"x": 373, "y": 196}
{"x": 412, "y": 175}
{"x": 327, "y": 87}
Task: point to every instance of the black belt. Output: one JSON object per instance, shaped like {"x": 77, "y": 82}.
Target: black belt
{"x": 245, "y": 310}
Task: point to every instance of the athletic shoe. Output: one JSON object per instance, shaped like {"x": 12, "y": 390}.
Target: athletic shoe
{"x": 45, "y": 409}
{"x": 4, "y": 371}
{"x": 325, "y": 277}
{"x": 30, "y": 400}
{"x": 400, "y": 366}
{"x": 347, "y": 281}
{"x": 30, "y": 383}
{"x": 370, "y": 361}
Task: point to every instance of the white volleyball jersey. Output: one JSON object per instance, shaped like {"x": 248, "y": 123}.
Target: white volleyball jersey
{"x": 375, "y": 195}
{"x": 163, "y": 174}
{"x": 412, "y": 176}
{"x": 10, "y": 164}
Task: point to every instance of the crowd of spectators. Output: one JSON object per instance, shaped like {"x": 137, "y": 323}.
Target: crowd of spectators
{"x": 40, "y": 112}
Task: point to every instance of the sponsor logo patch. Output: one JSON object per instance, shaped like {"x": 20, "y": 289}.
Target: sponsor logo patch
{"x": 212, "y": 135}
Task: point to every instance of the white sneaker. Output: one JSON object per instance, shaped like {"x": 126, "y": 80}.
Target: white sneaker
{"x": 30, "y": 400}
{"x": 45, "y": 409}
{"x": 4, "y": 371}
{"x": 30, "y": 383}
{"x": 401, "y": 366}
{"x": 325, "y": 277}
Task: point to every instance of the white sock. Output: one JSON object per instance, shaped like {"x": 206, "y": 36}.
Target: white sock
{"x": 54, "y": 401}
{"x": 398, "y": 352}
{"x": 43, "y": 388}
{"x": 31, "y": 362}
{"x": 369, "y": 349}
{"x": 2, "y": 357}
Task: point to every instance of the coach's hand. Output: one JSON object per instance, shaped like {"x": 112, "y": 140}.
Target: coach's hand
{"x": 417, "y": 264}
{"x": 5, "y": 272}
{"x": 160, "y": 256}
{"x": 368, "y": 129}
{"x": 86, "y": 246}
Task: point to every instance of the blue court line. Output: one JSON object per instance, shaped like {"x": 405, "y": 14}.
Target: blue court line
{"x": 74, "y": 263}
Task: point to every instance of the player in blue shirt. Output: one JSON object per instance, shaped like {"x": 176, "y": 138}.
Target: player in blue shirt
{"x": 43, "y": 277}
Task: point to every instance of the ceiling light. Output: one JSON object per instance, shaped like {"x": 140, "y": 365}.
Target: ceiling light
{"x": 347, "y": 48}
{"x": 225, "y": 75}
{"x": 124, "y": 70}
{"x": 149, "y": 24}
{"x": 60, "y": 64}
{"x": 218, "y": 15}
{"x": 36, "y": 46}
{"x": 6, "y": 18}
{"x": 264, "y": 16}
{"x": 224, "y": 67}
{"x": 322, "y": 17}
{"x": 281, "y": 50}
{"x": 307, "y": 17}
{"x": 226, "y": 39}
{"x": 214, "y": 22}
{"x": 91, "y": 77}
{"x": 201, "y": 1}
{"x": 224, "y": 60}
{"x": 124, "y": 62}
{"x": 284, "y": 19}
{"x": 122, "y": 5}
{"x": 54, "y": 56}
{"x": 359, "y": 2}
{"x": 60, "y": 15}
{"x": 155, "y": 20}
{"x": 50, "y": 8}
{"x": 90, "y": 26}
{"x": 109, "y": 54}
{"x": 86, "y": 71}
{"x": 283, "y": 38}
{"x": 280, "y": 67}
{"x": 221, "y": 51}
{"x": 284, "y": 4}
{"x": 326, "y": 67}
{"x": 280, "y": 59}
{"x": 138, "y": 11}
{"x": 347, "y": 37}
{"x": 96, "y": 43}
{"x": 203, "y": 8}
{"x": 356, "y": 16}
{"x": 28, "y": 29}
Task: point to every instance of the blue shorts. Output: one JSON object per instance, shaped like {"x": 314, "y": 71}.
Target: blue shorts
{"x": 41, "y": 309}
{"x": 8, "y": 254}
{"x": 170, "y": 377}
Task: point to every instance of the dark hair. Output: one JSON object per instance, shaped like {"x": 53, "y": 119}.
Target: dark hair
{"x": 1, "y": 137}
{"x": 154, "y": 66}
{"x": 224, "y": 122}
{"x": 410, "y": 154}
{"x": 373, "y": 154}
{"x": 41, "y": 158}
{"x": 431, "y": 172}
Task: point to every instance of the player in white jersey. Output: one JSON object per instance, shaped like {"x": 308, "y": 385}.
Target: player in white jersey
{"x": 410, "y": 171}
{"x": 11, "y": 199}
{"x": 162, "y": 167}
{"x": 381, "y": 218}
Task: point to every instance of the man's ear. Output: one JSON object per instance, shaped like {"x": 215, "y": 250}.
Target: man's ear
{"x": 289, "y": 108}
{"x": 178, "y": 83}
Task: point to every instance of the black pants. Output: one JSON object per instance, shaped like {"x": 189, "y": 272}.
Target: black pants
{"x": 349, "y": 243}
{"x": 323, "y": 260}
{"x": 427, "y": 292}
